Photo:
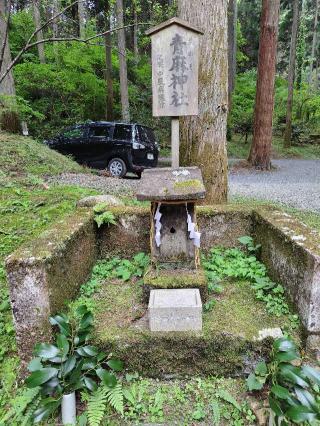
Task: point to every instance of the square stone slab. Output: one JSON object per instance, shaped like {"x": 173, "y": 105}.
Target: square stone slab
{"x": 175, "y": 310}
{"x": 167, "y": 184}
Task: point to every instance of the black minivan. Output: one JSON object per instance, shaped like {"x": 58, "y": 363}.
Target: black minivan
{"x": 117, "y": 147}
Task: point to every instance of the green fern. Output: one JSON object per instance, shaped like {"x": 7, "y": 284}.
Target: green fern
{"x": 115, "y": 398}
{"x": 28, "y": 414}
{"x": 96, "y": 406}
{"x": 226, "y": 396}
{"x": 22, "y": 407}
{"x": 216, "y": 412}
{"x": 98, "y": 401}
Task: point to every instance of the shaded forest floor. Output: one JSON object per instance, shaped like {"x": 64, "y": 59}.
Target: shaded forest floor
{"x": 237, "y": 148}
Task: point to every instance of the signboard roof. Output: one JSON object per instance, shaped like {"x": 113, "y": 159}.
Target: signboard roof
{"x": 170, "y": 22}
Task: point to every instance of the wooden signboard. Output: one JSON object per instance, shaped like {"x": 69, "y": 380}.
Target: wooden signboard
{"x": 175, "y": 51}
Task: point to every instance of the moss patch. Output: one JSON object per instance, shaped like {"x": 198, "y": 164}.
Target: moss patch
{"x": 171, "y": 277}
{"x": 190, "y": 185}
{"x": 225, "y": 347}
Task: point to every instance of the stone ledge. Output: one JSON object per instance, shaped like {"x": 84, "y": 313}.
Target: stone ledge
{"x": 291, "y": 252}
{"x": 175, "y": 278}
{"x": 45, "y": 273}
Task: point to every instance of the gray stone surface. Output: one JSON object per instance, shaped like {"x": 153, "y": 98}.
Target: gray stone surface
{"x": 166, "y": 184}
{"x": 291, "y": 252}
{"x": 47, "y": 272}
{"x": 175, "y": 310}
{"x": 275, "y": 333}
{"x": 93, "y": 200}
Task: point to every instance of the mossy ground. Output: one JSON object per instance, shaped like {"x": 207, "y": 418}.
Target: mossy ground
{"x": 175, "y": 276}
{"x": 227, "y": 339}
{"x": 27, "y": 207}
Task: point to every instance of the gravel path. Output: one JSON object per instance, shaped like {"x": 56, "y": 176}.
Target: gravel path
{"x": 293, "y": 182}
{"x": 106, "y": 185}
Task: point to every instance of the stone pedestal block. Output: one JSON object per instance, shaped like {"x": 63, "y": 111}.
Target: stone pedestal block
{"x": 175, "y": 310}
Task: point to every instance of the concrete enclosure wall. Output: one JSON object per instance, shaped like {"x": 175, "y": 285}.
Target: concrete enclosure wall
{"x": 48, "y": 271}
{"x": 291, "y": 252}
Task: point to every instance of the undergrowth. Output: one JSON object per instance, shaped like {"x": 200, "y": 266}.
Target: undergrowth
{"x": 222, "y": 263}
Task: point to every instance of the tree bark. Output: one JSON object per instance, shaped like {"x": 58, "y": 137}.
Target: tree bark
{"x": 135, "y": 33}
{"x": 55, "y": 11}
{"x": 314, "y": 41}
{"x": 123, "y": 64}
{"x": 291, "y": 73}
{"x": 7, "y": 86}
{"x": 232, "y": 47}
{"x": 203, "y": 138}
{"x": 82, "y": 18}
{"x": 260, "y": 154}
{"x": 108, "y": 75}
{"x": 37, "y": 22}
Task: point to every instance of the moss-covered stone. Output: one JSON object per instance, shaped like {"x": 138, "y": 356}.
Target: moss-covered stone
{"x": 171, "y": 276}
{"x": 225, "y": 347}
{"x": 45, "y": 273}
{"x": 291, "y": 252}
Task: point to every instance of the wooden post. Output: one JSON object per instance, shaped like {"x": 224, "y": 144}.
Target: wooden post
{"x": 175, "y": 142}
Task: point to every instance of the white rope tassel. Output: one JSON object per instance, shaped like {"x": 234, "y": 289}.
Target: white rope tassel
{"x": 193, "y": 234}
{"x": 158, "y": 226}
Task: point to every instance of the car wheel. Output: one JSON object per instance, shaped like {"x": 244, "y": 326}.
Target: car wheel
{"x": 117, "y": 167}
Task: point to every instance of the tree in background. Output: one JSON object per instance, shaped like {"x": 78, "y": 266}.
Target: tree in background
{"x": 203, "y": 138}
{"x": 123, "y": 63}
{"x": 37, "y": 22}
{"x": 260, "y": 153}
{"x": 313, "y": 58}
{"x": 82, "y": 18}
{"x": 108, "y": 72}
{"x": 291, "y": 73}
{"x": 232, "y": 47}
{"x": 7, "y": 86}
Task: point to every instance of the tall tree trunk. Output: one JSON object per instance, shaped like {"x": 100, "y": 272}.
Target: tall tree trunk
{"x": 260, "y": 154}
{"x": 232, "y": 47}
{"x": 135, "y": 33}
{"x": 301, "y": 47}
{"x": 203, "y": 138}
{"x": 37, "y": 22}
{"x": 55, "y": 11}
{"x": 108, "y": 75}
{"x": 123, "y": 64}
{"x": 7, "y": 86}
{"x": 314, "y": 41}
{"x": 291, "y": 73}
{"x": 82, "y": 18}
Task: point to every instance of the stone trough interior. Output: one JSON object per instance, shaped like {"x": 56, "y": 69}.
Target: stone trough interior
{"x": 46, "y": 273}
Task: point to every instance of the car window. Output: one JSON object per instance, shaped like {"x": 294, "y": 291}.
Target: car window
{"x": 122, "y": 132}
{"x": 76, "y": 132}
{"x": 146, "y": 134}
{"x": 100, "y": 131}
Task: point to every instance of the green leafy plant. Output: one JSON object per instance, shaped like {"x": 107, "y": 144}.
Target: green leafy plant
{"x": 123, "y": 269}
{"x": 98, "y": 401}
{"x": 293, "y": 390}
{"x": 103, "y": 216}
{"x": 70, "y": 364}
{"x": 224, "y": 263}
{"x": 23, "y": 407}
{"x": 249, "y": 243}
{"x": 208, "y": 306}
